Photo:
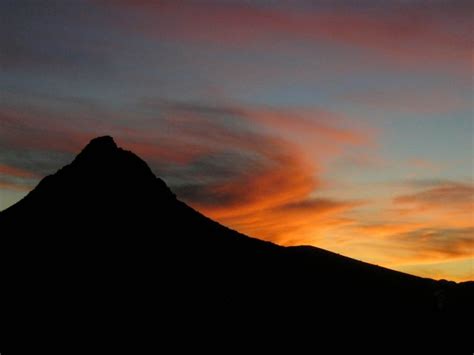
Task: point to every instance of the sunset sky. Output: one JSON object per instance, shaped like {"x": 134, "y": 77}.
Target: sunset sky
{"x": 341, "y": 124}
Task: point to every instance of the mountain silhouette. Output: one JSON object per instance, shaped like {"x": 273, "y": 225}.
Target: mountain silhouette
{"x": 105, "y": 245}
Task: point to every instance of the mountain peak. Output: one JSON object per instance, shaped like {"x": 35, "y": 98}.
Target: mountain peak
{"x": 103, "y": 141}
{"x": 102, "y": 158}
{"x": 104, "y": 168}
{"x": 99, "y": 146}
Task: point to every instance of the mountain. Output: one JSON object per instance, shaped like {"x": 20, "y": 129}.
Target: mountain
{"x": 104, "y": 246}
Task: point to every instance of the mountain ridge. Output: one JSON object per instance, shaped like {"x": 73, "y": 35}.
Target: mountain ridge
{"x": 101, "y": 148}
{"x": 106, "y": 225}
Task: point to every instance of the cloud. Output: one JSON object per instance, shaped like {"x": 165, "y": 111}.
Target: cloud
{"x": 245, "y": 167}
{"x": 294, "y": 223}
{"x": 258, "y": 170}
{"x": 13, "y": 178}
{"x": 381, "y": 230}
{"x": 431, "y": 224}
{"x": 251, "y": 178}
{"x": 255, "y": 181}
{"x": 311, "y": 124}
{"x": 262, "y": 170}
{"x": 232, "y": 162}
{"x": 311, "y": 205}
{"x": 425, "y": 183}
{"x": 244, "y": 147}
{"x": 28, "y": 43}
{"x": 407, "y": 251}
{"x": 424, "y": 164}
{"x": 13, "y": 186}
{"x": 425, "y": 101}
{"x": 314, "y": 128}
{"x": 457, "y": 270}
{"x": 34, "y": 128}
{"x": 12, "y": 171}
{"x": 403, "y": 33}
{"x": 402, "y": 243}
{"x": 444, "y": 195}
{"x": 437, "y": 243}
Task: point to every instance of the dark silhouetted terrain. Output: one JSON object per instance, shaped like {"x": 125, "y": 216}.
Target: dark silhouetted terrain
{"x": 103, "y": 250}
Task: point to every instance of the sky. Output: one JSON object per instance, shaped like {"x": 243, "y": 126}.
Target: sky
{"x": 346, "y": 125}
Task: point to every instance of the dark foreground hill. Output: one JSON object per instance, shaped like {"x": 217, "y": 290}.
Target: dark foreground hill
{"x": 103, "y": 249}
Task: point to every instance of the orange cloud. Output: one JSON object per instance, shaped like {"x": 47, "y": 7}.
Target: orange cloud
{"x": 252, "y": 179}
{"x": 456, "y": 270}
{"x": 384, "y": 230}
{"x": 431, "y": 225}
{"x": 443, "y": 205}
{"x": 233, "y": 164}
{"x": 13, "y": 186}
{"x": 231, "y": 161}
{"x": 301, "y": 222}
{"x": 399, "y": 244}
{"x": 437, "y": 243}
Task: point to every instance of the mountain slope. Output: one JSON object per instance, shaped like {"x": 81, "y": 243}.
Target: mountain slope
{"x": 104, "y": 239}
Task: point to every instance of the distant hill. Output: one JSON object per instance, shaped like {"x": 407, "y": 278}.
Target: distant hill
{"x": 104, "y": 247}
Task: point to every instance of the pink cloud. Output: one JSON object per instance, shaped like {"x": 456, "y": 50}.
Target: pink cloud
{"x": 447, "y": 195}
{"x": 16, "y": 172}
{"x": 312, "y": 123}
{"x": 36, "y": 129}
{"x": 407, "y": 35}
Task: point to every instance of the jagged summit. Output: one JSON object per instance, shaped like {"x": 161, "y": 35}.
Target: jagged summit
{"x": 101, "y": 174}
{"x": 100, "y": 145}
{"x": 102, "y": 154}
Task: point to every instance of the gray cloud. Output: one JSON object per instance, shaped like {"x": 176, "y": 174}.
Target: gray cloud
{"x": 440, "y": 195}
